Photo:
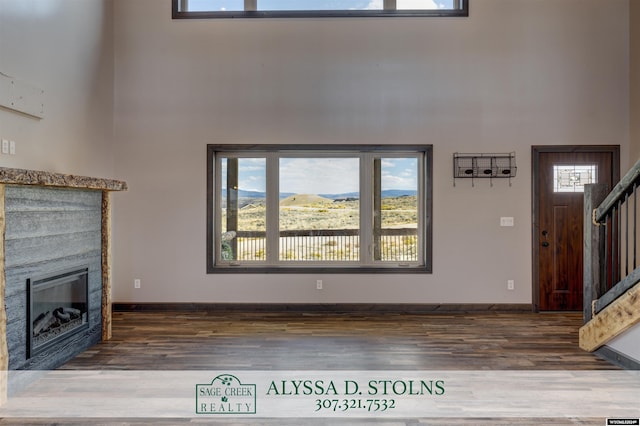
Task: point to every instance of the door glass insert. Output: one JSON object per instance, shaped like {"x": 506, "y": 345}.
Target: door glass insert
{"x": 573, "y": 178}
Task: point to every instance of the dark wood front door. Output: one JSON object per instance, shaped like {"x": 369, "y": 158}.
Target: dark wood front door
{"x": 559, "y": 177}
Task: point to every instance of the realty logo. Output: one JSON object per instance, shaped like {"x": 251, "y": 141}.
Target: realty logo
{"x": 225, "y": 395}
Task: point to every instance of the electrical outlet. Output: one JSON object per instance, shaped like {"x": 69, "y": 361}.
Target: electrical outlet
{"x": 5, "y": 146}
{"x": 136, "y": 283}
{"x": 506, "y": 221}
{"x": 319, "y": 284}
{"x": 511, "y": 285}
{"x": 12, "y": 147}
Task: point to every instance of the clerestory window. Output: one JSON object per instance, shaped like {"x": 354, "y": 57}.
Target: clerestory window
{"x": 309, "y": 208}
{"x": 317, "y": 8}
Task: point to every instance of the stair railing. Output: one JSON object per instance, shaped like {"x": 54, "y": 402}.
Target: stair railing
{"x": 611, "y": 242}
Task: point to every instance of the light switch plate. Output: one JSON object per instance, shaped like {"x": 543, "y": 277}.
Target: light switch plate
{"x": 506, "y": 221}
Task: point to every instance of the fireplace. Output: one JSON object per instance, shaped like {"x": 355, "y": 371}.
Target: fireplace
{"x": 53, "y": 222}
{"x": 58, "y": 307}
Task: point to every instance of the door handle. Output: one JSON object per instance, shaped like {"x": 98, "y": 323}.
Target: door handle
{"x": 545, "y": 243}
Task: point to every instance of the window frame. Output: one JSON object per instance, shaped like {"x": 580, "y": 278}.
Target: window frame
{"x": 425, "y": 191}
{"x": 178, "y": 12}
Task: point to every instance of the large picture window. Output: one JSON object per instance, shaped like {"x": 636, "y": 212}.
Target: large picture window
{"x": 304, "y": 208}
{"x": 316, "y": 8}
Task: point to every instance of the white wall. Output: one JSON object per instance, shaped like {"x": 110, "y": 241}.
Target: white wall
{"x": 628, "y": 343}
{"x": 64, "y": 47}
{"x": 516, "y": 73}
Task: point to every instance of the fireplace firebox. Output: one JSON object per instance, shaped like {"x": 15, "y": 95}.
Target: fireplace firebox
{"x": 58, "y": 307}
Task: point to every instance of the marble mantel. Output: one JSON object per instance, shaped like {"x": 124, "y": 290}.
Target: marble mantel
{"x": 21, "y": 177}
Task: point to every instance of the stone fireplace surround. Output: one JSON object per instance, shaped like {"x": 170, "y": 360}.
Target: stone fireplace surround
{"x": 50, "y": 222}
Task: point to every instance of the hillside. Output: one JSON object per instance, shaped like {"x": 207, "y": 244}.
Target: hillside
{"x": 304, "y": 200}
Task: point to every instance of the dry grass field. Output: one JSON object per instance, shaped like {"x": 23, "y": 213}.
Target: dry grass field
{"x": 336, "y": 223}
{"x": 306, "y": 211}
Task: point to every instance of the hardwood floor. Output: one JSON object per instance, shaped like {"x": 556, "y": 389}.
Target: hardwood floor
{"x": 331, "y": 341}
{"x": 325, "y": 341}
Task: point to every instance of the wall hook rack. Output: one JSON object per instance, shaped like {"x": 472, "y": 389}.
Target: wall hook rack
{"x": 481, "y": 166}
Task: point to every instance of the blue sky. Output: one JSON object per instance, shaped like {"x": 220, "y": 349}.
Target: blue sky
{"x": 235, "y": 5}
{"x": 325, "y": 175}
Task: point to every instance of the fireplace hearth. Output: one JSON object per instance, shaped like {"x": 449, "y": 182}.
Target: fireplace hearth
{"x": 57, "y": 308}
